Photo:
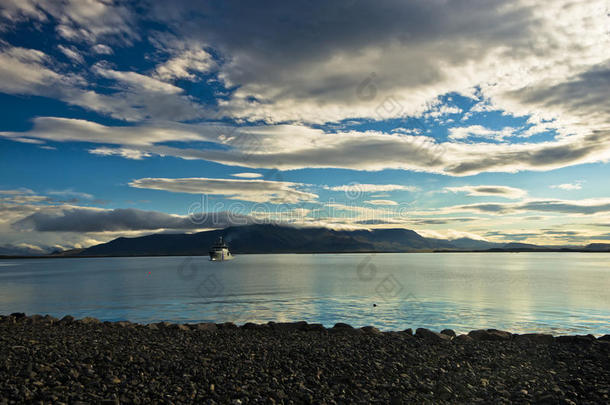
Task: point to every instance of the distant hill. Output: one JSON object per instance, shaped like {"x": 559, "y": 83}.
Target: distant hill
{"x": 270, "y": 238}
{"x": 466, "y": 244}
{"x": 266, "y": 239}
{"x": 521, "y": 246}
{"x": 598, "y": 247}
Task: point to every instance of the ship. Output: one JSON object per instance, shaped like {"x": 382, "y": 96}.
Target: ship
{"x": 220, "y": 251}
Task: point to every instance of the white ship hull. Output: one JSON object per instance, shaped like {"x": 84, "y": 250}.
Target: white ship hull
{"x": 220, "y": 251}
{"x": 220, "y": 256}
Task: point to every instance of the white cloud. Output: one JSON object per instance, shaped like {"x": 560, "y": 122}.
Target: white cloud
{"x": 381, "y": 202}
{"x": 72, "y": 54}
{"x": 139, "y": 97}
{"x": 489, "y": 190}
{"x": 450, "y": 234}
{"x": 247, "y": 175}
{"x": 77, "y": 20}
{"x": 262, "y": 191}
{"x": 589, "y": 206}
{"x": 519, "y": 55}
{"x": 568, "y": 186}
{"x": 288, "y": 147}
{"x": 185, "y": 65}
{"x": 136, "y": 80}
{"x": 459, "y": 133}
{"x": 14, "y": 11}
{"x": 27, "y": 71}
{"x": 370, "y": 188}
{"x": 102, "y": 49}
{"x": 126, "y": 153}
{"x": 440, "y": 110}
{"x": 525, "y": 58}
{"x": 67, "y": 130}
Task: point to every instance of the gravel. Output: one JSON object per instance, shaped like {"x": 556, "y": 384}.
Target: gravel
{"x": 45, "y": 360}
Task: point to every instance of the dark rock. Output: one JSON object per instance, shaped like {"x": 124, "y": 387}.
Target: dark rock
{"x": 207, "y": 327}
{"x": 490, "y": 334}
{"x": 226, "y": 325}
{"x": 448, "y": 332}
{"x": 19, "y": 316}
{"x": 408, "y": 331}
{"x": 605, "y": 338}
{"x": 315, "y": 327}
{"x": 431, "y": 336}
{"x": 10, "y": 320}
{"x": 179, "y": 326}
{"x": 586, "y": 339}
{"x": 250, "y": 325}
{"x": 91, "y": 363}
{"x": 34, "y": 319}
{"x": 288, "y": 326}
{"x": 67, "y": 319}
{"x": 345, "y": 328}
{"x": 463, "y": 339}
{"x": 50, "y": 319}
{"x": 90, "y": 321}
{"x": 370, "y": 330}
{"x": 539, "y": 338}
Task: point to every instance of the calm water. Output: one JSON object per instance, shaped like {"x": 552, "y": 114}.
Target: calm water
{"x": 550, "y": 292}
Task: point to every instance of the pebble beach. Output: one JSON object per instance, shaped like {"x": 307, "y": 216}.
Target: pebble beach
{"x": 49, "y": 360}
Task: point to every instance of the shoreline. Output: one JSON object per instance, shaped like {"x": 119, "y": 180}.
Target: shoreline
{"x": 51, "y": 360}
{"x": 302, "y": 326}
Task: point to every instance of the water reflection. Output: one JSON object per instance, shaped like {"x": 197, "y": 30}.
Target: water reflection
{"x": 526, "y": 292}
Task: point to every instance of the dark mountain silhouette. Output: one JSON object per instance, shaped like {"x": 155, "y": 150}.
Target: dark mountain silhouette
{"x": 598, "y": 247}
{"x": 266, "y": 239}
{"x": 466, "y": 244}
{"x": 270, "y": 238}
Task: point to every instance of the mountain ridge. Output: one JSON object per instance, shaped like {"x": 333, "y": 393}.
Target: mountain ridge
{"x": 272, "y": 238}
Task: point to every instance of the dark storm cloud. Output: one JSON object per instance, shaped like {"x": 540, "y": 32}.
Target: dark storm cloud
{"x": 320, "y": 52}
{"x": 440, "y": 221}
{"x": 586, "y": 94}
{"x": 536, "y": 156}
{"x": 93, "y": 220}
{"x": 584, "y": 207}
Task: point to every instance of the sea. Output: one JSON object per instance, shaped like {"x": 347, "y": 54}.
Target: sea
{"x": 557, "y": 293}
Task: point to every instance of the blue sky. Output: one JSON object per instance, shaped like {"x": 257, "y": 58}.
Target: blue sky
{"x": 477, "y": 119}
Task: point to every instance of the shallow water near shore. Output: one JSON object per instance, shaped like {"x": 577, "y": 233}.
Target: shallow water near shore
{"x": 555, "y": 293}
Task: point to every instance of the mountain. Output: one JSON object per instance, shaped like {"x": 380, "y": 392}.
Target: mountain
{"x": 598, "y": 247}
{"x": 270, "y": 238}
{"x": 466, "y": 244}
{"x": 521, "y": 246}
{"x": 266, "y": 239}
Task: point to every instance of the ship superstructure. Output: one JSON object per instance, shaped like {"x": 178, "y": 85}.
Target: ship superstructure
{"x": 220, "y": 251}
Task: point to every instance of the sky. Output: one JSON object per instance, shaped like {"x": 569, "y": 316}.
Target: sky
{"x": 468, "y": 118}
